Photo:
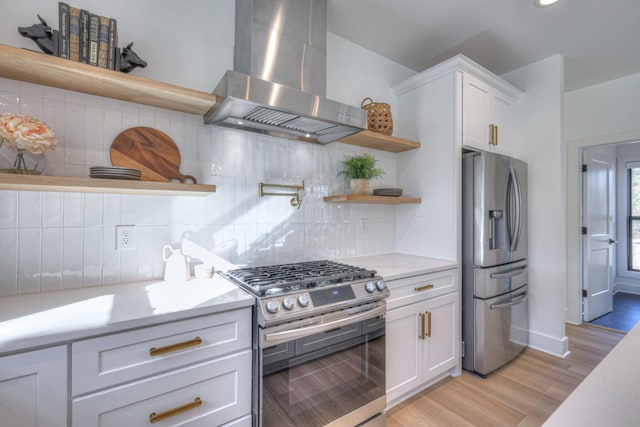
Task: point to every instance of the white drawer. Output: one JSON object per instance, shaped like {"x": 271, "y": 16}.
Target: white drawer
{"x": 222, "y": 386}
{"x": 419, "y": 288}
{"x": 114, "y": 359}
{"x": 240, "y": 422}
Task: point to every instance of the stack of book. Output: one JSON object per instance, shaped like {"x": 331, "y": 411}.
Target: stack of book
{"x": 88, "y": 38}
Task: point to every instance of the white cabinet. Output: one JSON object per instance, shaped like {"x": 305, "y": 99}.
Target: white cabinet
{"x": 33, "y": 388}
{"x": 207, "y": 394}
{"x": 194, "y": 372}
{"x": 422, "y": 332}
{"x": 486, "y": 115}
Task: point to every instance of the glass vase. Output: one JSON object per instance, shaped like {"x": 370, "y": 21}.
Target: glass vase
{"x": 22, "y": 161}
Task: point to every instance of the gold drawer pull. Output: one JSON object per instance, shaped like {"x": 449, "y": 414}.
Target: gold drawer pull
{"x": 175, "y": 347}
{"x": 422, "y": 318}
{"x": 429, "y": 324}
{"x": 154, "y": 418}
{"x": 424, "y": 288}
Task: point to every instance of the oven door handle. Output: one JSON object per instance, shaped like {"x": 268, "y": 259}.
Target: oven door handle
{"x": 293, "y": 334}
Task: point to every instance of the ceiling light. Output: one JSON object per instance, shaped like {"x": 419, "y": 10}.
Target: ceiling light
{"x": 544, "y": 3}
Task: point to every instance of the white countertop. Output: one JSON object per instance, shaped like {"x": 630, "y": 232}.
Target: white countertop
{"x": 610, "y": 395}
{"x": 33, "y": 320}
{"x": 398, "y": 266}
{"x": 48, "y": 318}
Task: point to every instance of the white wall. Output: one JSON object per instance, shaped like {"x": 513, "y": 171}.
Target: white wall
{"x": 428, "y": 113}
{"x": 354, "y": 74}
{"x": 52, "y": 241}
{"x": 602, "y": 114}
{"x": 538, "y": 140}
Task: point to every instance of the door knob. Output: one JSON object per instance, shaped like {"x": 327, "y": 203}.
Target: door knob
{"x": 611, "y": 241}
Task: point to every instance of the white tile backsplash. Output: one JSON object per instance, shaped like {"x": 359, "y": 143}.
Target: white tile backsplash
{"x": 9, "y": 261}
{"x": 29, "y": 266}
{"x": 51, "y": 278}
{"x": 54, "y": 241}
{"x": 8, "y": 209}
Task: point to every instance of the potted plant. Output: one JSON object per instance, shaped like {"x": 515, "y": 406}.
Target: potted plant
{"x": 360, "y": 169}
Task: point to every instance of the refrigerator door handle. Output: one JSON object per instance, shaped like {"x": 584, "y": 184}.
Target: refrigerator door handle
{"x": 509, "y": 273}
{"x": 511, "y": 302}
{"x": 514, "y": 184}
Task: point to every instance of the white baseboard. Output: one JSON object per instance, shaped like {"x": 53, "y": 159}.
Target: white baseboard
{"x": 627, "y": 287}
{"x": 555, "y": 346}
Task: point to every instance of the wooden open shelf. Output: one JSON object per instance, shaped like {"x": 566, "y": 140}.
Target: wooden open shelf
{"x": 353, "y": 198}
{"x": 378, "y": 141}
{"x": 48, "y": 70}
{"x": 9, "y": 181}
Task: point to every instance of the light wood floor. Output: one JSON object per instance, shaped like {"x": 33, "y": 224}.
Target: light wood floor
{"x": 523, "y": 393}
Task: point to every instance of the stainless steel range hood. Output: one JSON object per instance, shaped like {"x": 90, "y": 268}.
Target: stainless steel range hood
{"x": 279, "y": 83}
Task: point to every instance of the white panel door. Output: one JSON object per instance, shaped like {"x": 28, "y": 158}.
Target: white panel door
{"x": 404, "y": 348}
{"x": 442, "y": 335}
{"x": 33, "y": 389}
{"x": 476, "y": 103}
{"x": 502, "y": 119}
{"x": 597, "y": 243}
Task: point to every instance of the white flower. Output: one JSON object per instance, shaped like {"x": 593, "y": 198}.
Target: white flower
{"x": 26, "y": 133}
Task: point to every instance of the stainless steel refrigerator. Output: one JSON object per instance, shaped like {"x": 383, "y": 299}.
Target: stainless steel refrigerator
{"x": 495, "y": 314}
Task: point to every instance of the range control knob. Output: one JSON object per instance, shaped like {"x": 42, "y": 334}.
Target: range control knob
{"x": 272, "y": 306}
{"x": 381, "y": 285}
{"x": 288, "y": 303}
{"x": 303, "y": 300}
{"x": 370, "y": 287}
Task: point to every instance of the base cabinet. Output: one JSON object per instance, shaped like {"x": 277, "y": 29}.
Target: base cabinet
{"x": 195, "y": 372}
{"x": 422, "y": 332}
{"x": 421, "y": 343}
{"x": 207, "y": 394}
{"x": 33, "y": 389}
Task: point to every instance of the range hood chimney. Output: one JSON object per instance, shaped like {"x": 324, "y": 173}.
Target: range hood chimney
{"x": 278, "y": 84}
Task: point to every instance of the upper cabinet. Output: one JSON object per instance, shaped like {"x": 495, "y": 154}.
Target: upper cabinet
{"x": 486, "y": 115}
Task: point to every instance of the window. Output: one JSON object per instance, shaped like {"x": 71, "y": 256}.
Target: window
{"x": 633, "y": 227}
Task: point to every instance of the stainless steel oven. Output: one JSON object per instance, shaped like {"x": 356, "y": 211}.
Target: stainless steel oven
{"x": 320, "y": 339}
{"x": 329, "y": 372}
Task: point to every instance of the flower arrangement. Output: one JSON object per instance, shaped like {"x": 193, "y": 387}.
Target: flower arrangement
{"x": 25, "y": 135}
{"x": 22, "y": 132}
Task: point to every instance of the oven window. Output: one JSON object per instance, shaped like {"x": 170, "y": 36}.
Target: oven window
{"x": 324, "y": 376}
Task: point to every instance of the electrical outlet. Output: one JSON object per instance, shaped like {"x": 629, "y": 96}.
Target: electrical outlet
{"x": 125, "y": 237}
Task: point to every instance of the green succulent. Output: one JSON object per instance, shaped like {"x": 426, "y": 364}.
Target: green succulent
{"x": 361, "y": 167}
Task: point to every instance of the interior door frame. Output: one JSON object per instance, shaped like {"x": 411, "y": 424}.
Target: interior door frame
{"x": 574, "y": 237}
{"x": 592, "y": 304}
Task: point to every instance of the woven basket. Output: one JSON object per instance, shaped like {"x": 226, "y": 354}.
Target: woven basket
{"x": 378, "y": 116}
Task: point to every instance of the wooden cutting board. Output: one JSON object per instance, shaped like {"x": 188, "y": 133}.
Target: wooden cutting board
{"x": 149, "y": 150}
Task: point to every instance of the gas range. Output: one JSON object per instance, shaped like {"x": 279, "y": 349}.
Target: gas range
{"x": 294, "y": 291}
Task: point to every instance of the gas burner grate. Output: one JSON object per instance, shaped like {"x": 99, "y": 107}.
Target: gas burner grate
{"x": 275, "y": 279}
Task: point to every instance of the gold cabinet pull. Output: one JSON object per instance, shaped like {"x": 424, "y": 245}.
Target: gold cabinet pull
{"x": 175, "y": 347}
{"x": 154, "y": 418}
{"x": 428, "y": 324}
{"x": 494, "y": 134}
{"x": 422, "y": 321}
{"x": 423, "y": 288}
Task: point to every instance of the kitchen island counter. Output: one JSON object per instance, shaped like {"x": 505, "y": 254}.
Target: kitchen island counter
{"x": 36, "y": 320}
{"x": 399, "y": 266}
{"x": 609, "y": 395}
